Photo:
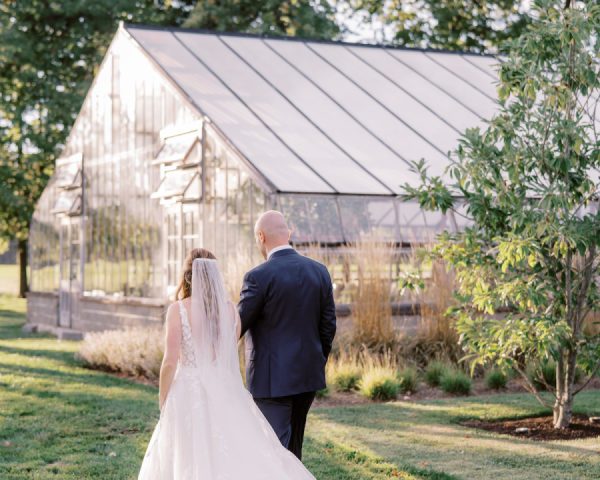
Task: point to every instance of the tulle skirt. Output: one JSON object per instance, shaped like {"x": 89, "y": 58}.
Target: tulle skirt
{"x": 211, "y": 429}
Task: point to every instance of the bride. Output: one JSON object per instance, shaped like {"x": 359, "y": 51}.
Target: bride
{"x": 209, "y": 426}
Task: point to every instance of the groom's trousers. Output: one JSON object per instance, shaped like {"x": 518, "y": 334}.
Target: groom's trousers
{"x": 287, "y": 416}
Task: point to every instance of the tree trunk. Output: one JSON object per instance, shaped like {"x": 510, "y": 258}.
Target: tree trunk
{"x": 22, "y": 251}
{"x": 565, "y": 382}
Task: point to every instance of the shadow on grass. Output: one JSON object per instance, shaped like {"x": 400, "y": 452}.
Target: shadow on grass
{"x": 425, "y": 433}
{"x": 90, "y": 377}
{"x": 333, "y": 460}
{"x": 11, "y": 323}
{"x": 68, "y": 358}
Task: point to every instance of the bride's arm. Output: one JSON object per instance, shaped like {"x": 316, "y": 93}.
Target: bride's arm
{"x": 171, "y": 355}
{"x": 236, "y": 319}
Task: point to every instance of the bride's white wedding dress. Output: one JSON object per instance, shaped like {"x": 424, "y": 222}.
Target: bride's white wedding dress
{"x": 210, "y": 427}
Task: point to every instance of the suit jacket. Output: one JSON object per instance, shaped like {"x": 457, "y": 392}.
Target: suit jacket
{"x": 287, "y": 308}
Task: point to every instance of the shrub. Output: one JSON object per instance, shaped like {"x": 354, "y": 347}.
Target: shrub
{"x": 456, "y": 382}
{"x": 133, "y": 351}
{"x": 408, "y": 379}
{"x": 379, "y": 383}
{"x": 343, "y": 375}
{"x": 496, "y": 379}
{"x": 434, "y": 372}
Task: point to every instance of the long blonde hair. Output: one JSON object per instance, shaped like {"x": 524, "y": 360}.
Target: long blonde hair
{"x": 184, "y": 290}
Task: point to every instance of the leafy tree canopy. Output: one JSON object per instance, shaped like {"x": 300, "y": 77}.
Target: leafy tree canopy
{"x": 304, "y": 18}
{"x": 477, "y": 26}
{"x": 49, "y": 52}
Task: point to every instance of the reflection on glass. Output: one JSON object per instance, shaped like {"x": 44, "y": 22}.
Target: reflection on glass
{"x": 118, "y": 133}
{"x": 368, "y": 216}
{"x": 419, "y": 226}
{"x": 312, "y": 218}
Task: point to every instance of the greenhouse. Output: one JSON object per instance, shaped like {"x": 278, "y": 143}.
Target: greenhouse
{"x": 186, "y": 136}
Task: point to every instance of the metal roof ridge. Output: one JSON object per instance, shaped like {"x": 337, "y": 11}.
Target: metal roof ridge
{"x": 267, "y": 36}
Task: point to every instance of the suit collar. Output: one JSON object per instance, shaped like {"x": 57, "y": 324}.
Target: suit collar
{"x": 283, "y": 253}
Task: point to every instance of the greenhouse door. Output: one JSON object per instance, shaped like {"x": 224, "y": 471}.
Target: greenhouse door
{"x": 69, "y": 271}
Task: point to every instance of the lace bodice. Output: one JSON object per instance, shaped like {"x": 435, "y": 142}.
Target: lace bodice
{"x": 187, "y": 357}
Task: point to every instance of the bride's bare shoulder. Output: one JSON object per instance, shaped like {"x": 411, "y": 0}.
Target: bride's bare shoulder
{"x": 173, "y": 311}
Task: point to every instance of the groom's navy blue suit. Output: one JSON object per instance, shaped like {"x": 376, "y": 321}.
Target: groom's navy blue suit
{"x": 287, "y": 308}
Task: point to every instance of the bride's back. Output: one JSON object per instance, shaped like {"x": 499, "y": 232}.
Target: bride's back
{"x": 208, "y": 319}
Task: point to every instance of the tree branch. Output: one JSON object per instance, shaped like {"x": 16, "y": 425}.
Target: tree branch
{"x": 588, "y": 380}
{"x": 530, "y": 387}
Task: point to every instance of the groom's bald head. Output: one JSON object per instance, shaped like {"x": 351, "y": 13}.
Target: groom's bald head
{"x": 271, "y": 231}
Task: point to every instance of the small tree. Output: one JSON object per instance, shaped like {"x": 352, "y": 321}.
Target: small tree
{"x": 531, "y": 184}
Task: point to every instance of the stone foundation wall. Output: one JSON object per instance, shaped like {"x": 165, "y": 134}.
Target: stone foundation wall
{"x": 97, "y": 314}
{"x": 106, "y": 313}
{"x": 42, "y": 308}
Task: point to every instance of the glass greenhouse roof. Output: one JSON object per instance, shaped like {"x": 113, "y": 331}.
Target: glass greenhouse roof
{"x": 325, "y": 117}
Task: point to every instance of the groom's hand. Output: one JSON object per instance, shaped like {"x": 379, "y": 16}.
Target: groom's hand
{"x": 327, "y": 324}
{"x": 251, "y": 303}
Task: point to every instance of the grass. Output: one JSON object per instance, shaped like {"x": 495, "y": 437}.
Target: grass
{"x": 61, "y": 421}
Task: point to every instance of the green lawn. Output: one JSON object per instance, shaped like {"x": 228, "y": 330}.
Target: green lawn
{"x": 61, "y": 421}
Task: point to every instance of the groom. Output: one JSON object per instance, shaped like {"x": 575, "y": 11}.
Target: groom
{"x": 287, "y": 308}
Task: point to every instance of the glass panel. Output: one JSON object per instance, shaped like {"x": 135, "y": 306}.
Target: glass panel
{"x": 391, "y": 168}
{"x": 259, "y": 145}
{"x": 174, "y": 254}
{"x": 44, "y": 243}
{"x": 68, "y": 201}
{"x": 176, "y": 148}
{"x": 118, "y": 131}
{"x": 435, "y": 74}
{"x": 175, "y": 182}
{"x": 408, "y": 127}
{"x": 280, "y": 115}
{"x": 194, "y": 190}
{"x": 312, "y": 219}
{"x": 364, "y": 216}
{"x": 487, "y": 64}
{"x": 68, "y": 172}
{"x": 453, "y": 112}
{"x": 69, "y": 176}
{"x": 330, "y": 117}
{"x": 419, "y": 226}
{"x": 466, "y": 71}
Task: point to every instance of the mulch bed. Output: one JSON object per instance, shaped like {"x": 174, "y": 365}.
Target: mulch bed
{"x": 540, "y": 428}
